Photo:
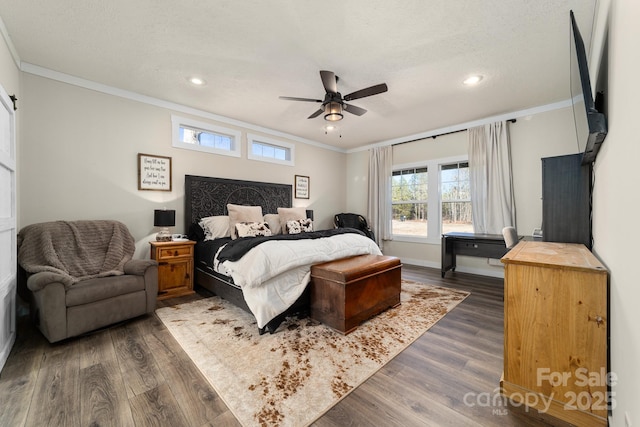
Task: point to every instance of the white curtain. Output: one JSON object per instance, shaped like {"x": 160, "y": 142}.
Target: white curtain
{"x": 379, "y": 209}
{"x": 492, "y": 199}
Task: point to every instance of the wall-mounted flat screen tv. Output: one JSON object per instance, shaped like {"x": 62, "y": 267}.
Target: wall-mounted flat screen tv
{"x": 591, "y": 125}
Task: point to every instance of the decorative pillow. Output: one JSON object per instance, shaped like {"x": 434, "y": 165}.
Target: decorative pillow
{"x": 252, "y": 229}
{"x": 296, "y": 226}
{"x": 215, "y": 227}
{"x": 196, "y": 232}
{"x": 288, "y": 214}
{"x": 274, "y": 223}
{"x": 238, "y": 213}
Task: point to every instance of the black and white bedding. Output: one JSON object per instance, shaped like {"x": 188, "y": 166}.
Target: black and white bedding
{"x": 273, "y": 271}
{"x": 260, "y": 274}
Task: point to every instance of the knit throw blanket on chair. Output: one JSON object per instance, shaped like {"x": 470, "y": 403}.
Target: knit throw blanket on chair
{"x": 77, "y": 250}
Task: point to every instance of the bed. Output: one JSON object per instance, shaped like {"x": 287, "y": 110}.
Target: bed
{"x": 208, "y": 196}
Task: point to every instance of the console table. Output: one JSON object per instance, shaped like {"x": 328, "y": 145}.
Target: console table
{"x": 470, "y": 244}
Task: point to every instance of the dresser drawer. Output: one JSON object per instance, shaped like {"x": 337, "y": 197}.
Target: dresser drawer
{"x": 175, "y": 252}
{"x": 482, "y": 249}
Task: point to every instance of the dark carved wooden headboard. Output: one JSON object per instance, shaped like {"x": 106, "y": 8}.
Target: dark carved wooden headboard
{"x": 206, "y": 196}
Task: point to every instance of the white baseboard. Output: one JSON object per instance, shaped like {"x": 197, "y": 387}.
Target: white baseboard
{"x": 420, "y": 262}
{"x": 496, "y": 271}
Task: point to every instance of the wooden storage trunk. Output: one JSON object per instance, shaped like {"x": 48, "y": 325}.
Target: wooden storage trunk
{"x": 346, "y": 292}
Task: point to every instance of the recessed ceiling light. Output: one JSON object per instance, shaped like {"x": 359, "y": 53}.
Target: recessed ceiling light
{"x": 472, "y": 80}
{"x": 197, "y": 81}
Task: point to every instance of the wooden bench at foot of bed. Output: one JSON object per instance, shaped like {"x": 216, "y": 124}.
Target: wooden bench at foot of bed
{"x": 346, "y": 292}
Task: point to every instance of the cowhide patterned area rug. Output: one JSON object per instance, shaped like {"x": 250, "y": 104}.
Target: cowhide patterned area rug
{"x": 294, "y": 376}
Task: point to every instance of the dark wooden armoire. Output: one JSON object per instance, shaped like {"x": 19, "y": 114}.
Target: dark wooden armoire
{"x": 566, "y": 200}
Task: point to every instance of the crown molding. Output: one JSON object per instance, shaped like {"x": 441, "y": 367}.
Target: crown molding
{"x": 9, "y": 43}
{"x": 114, "y": 91}
{"x": 133, "y": 96}
{"x": 463, "y": 126}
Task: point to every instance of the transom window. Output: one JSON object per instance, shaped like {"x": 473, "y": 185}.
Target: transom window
{"x": 409, "y": 193}
{"x": 267, "y": 150}
{"x": 270, "y": 150}
{"x": 190, "y": 135}
{"x": 455, "y": 195}
{"x": 200, "y": 136}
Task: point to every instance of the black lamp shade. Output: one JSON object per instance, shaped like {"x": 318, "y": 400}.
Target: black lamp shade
{"x": 310, "y": 214}
{"x": 164, "y": 218}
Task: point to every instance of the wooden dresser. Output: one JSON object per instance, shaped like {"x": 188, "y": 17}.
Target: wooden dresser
{"x": 175, "y": 267}
{"x": 556, "y": 331}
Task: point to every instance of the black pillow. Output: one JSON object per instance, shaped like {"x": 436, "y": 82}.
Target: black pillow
{"x": 195, "y": 232}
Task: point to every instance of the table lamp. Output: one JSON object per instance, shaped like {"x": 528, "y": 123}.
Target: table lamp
{"x": 164, "y": 218}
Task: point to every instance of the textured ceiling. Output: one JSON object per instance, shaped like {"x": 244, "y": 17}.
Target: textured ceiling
{"x": 251, "y": 52}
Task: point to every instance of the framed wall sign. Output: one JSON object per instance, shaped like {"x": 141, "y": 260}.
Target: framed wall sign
{"x": 302, "y": 187}
{"x": 154, "y": 172}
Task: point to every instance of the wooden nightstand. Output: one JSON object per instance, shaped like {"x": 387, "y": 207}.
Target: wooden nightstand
{"x": 175, "y": 267}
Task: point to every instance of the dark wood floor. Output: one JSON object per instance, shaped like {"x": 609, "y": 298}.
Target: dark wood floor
{"x": 135, "y": 374}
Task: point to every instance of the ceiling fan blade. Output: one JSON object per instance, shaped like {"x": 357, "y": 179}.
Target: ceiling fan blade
{"x": 373, "y": 90}
{"x": 316, "y": 114}
{"x": 292, "y": 98}
{"x": 329, "y": 81}
{"x": 354, "y": 110}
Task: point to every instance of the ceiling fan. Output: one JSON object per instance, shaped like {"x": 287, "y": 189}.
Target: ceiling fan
{"x": 334, "y": 103}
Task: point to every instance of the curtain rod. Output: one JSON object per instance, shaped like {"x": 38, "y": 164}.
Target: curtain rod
{"x": 441, "y": 134}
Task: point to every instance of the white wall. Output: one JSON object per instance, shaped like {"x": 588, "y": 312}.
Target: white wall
{"x": 616, "y": 203}
{"x": 78, "y": 160}
{"x": 533, "y": 137}
{"x": 9, "y": 73}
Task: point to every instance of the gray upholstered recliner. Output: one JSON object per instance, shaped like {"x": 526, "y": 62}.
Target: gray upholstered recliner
{"x": 79, "y": 276}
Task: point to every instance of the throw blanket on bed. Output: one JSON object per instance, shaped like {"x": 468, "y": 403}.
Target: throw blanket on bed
{"x": 77, "y": 250}
{"x": 273, "y": 274}
{"x": 236, "y": 249}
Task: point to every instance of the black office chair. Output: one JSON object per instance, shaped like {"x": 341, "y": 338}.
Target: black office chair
{"x": 351, "y": 220}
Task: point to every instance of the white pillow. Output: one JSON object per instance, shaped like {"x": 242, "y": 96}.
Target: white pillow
{"x": 215, "y": 227}
{"x": 296, "y": 226}
{"x": 238, "y": 213}
{"x": 288, "y": 214}
{"x": 274, "y": 223}
{"x": 252, "y": 229}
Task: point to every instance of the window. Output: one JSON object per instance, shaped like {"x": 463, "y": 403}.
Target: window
{"x": 200, "y": 136}
{"x": 455, "y": 195}
{"x": 269, "y": 150}
{"x": 409, "y": 202}
{"x": 447, "y": 203}
{"x": 205, "y": 139}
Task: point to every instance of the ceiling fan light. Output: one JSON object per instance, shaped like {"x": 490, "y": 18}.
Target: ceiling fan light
{"x": 333, "y": 112}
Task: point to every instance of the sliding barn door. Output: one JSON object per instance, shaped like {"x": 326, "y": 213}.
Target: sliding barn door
{"x": 8, "y": 262}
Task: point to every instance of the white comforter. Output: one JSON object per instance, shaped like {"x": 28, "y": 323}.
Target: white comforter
{"x": 274, "y": 274}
